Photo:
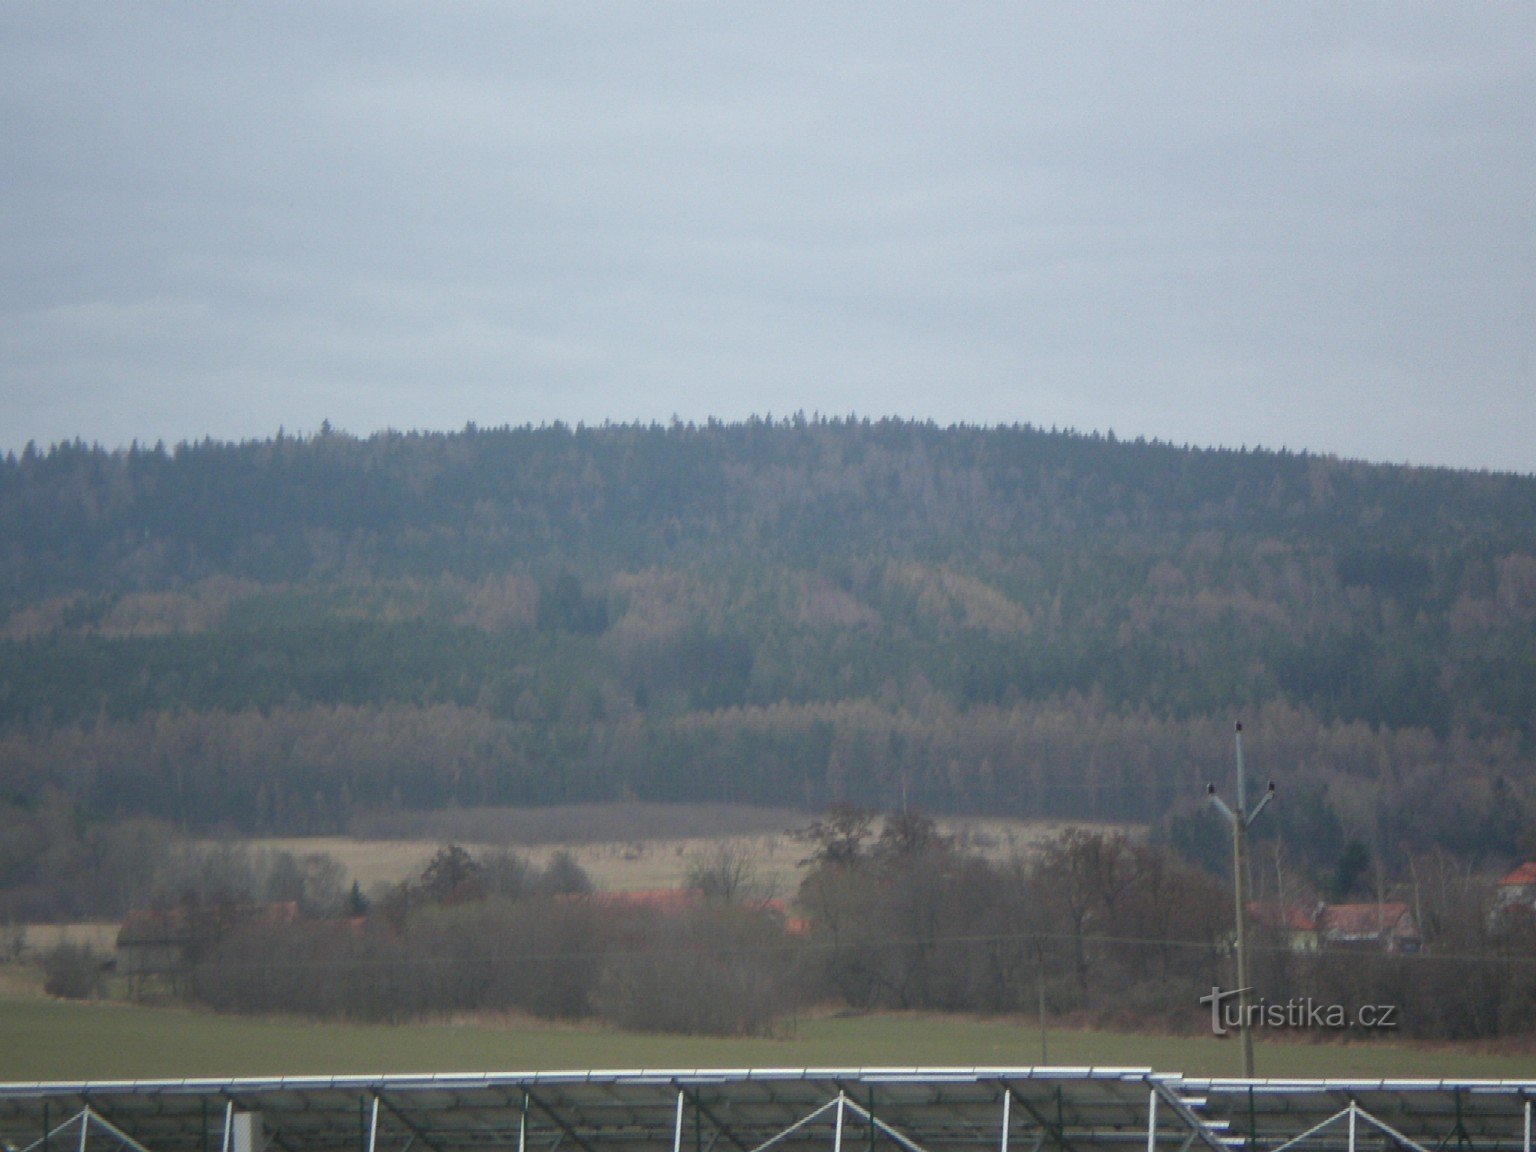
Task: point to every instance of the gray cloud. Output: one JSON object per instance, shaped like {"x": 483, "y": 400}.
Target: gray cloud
{"x": 1302, "y": 226}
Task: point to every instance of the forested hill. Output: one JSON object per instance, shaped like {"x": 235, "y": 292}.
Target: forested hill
{"x": 77, "y": 518}
{"x": 278, "y": 634}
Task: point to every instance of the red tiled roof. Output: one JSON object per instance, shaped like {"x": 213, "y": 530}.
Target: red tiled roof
{"x": 1522, "y": 877}
{"x": 1295, "y": 919}
{"x": 1365, "y": 921}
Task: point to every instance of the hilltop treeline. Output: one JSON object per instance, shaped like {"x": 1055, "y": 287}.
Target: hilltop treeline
{"x": 278, "y": 635}
{"x": 79, "y": 518}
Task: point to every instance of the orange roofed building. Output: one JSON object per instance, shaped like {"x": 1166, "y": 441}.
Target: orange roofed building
{"x": 1383, "y": 927}
{"x": 1296, "y": 926}
{"x": 1519, "y": 887}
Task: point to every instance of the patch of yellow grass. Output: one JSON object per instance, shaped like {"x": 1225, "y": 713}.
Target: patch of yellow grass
{"x": 631, "y": 865}
{"x": 102, "y": 936}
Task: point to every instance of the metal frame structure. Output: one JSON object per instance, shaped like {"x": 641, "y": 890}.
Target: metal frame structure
{"x": 785, "y": 1110}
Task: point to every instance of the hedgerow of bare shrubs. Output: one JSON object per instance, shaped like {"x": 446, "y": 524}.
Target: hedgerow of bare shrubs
{"x": 1105, "y": 929}
{"x": 73, "y": 971}
{"x": 502, "y": 935}
{"x": 719, "y": 969}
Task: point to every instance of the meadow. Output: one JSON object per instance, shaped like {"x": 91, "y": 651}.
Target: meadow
{"x": 625, "y": 847}
{"x": 47, "y": 1039}
{"x": 52, "y": 1040}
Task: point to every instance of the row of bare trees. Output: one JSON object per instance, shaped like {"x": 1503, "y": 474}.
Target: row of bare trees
{"x": 1092, "y": 921}
{"x": 503, "y": 935}
{"x": 304, "y": 768}
{"x": 902, "y": 918}
{"x": 1089, "y": 925}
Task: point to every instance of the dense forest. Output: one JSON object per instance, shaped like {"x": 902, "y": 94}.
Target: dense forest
{"x": 277, "y": 636}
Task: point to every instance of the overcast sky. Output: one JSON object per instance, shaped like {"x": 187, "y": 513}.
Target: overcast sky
{"x": 1295, "y": 225}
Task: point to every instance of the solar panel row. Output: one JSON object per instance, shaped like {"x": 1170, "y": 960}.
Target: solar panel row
{"x": 790, "y": 1110}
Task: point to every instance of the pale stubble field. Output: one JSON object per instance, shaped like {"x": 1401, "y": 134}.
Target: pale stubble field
{"x": 637, "y": 863}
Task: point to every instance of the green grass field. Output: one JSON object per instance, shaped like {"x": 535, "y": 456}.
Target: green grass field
{"x": 50, "y": 1040}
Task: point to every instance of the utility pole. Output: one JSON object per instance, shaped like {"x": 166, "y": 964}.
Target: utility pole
{"x": 1240, "y": 819}
{"x": 1045, "y": 1051}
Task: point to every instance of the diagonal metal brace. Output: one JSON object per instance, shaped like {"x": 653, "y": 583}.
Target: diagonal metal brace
{"x": 1055, "y": 1130}
{"x": 565, "y": 1129}
{"x": 84, "y": 1118}
{"x": 1198, "y": 1128}
{"x": 1355, "y": 1110}
{"x": 417, "y": 1133}
{"x": 795, "y": 1127}
{"x": 721, "y": 1129}
{"x": 900, "y": 1137}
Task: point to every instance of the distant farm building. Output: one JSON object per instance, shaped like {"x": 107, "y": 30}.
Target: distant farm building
{"x": 1518, "y": 888}
{"x": 1382, "y": 927}
{"x": 1296, "y": 926}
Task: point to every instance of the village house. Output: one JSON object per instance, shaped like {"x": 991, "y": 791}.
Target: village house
{"x": 1386, "y": 926}
{"x": 1518, "y": 889}
{"x": 1296, "y": 926}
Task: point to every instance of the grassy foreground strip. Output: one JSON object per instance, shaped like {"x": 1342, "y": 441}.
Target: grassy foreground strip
{"x": 47, "y": 1040}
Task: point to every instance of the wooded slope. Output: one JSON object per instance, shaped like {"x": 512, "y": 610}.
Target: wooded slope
{"x": 274, "y": 635}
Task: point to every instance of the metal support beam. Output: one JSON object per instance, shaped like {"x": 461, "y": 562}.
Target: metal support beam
{"x": 1382, "y": 1125}
{"x": 554, "y": 1117}
{"x": 795, "y": 1127}
{"x": 895, "y": 1134}
{"x": 1054, "y": 1130}
{"x": 1198, "y": 1129}
{"x": 276, "y": 1136}
{"x": 129, "y": 1141}
{"x": 100, "y": 1114}
{"x": 83, "y": 1118}
{"x": 1353, "y": 1114}
{"x": 903, "y": 1110}
{"x": 1310, "y": 1132}
{"x": 721, "y": 1128}
{"x": 416, "y": 1130}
